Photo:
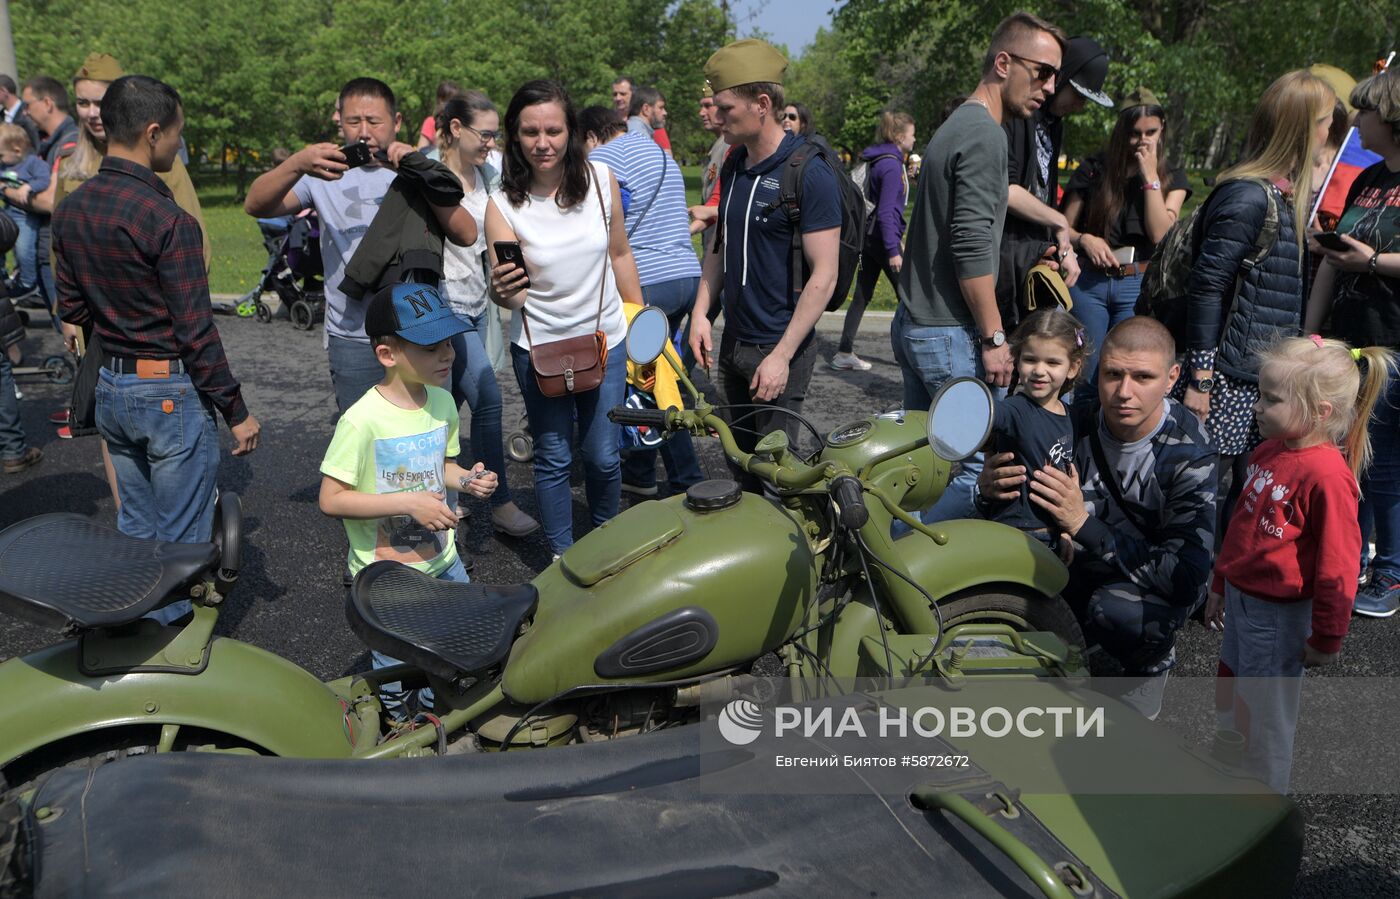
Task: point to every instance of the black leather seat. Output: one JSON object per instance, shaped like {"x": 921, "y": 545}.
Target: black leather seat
{"x": 65, "y": 571}
{"x": 443, "y": 628}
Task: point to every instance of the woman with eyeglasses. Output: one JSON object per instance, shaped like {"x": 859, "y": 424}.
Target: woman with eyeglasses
{"x": 466, "y": 131}
{"x": 797, "y": 119}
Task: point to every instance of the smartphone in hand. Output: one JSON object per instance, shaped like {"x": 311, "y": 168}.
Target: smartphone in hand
{"x": 509, "y": 251}
{"x": 1332, "y": 241}
{"x": 356, "y": 154}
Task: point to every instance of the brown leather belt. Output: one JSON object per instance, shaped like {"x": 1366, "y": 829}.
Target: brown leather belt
{"x": 1124, "y": 271}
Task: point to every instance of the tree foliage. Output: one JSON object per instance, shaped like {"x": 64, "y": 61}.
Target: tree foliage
{"x": 1209, "y": 61}
{"x": 255, "y": 74}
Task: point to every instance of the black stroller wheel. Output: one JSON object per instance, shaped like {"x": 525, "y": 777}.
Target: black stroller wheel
{"x": 303, "y": 316}
{"x": 60, "y": 369}
{"x": 264, "y": 312}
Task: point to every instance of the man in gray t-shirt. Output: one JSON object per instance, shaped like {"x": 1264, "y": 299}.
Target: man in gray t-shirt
{"x": 948, "y": 324}
{"x": 346, "y": 200}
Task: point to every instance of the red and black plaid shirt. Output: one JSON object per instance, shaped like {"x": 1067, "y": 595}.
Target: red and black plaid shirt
{"x": 131, "y": 263}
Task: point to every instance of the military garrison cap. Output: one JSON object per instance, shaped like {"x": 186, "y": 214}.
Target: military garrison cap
{"x": 1139, "y": 97}
{"x": 99, "y": 67}
{"x": 744, "y": 62}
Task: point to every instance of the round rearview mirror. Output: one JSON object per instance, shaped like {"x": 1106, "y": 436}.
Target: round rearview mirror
{"x": 647, "y": 335}
{"x": 960, "y": 419}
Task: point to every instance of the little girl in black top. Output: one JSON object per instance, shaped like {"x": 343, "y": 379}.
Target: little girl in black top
{"x": 1049, "y": 348}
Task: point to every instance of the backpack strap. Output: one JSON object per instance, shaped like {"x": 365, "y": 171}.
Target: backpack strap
{"x": 790, "y": 201}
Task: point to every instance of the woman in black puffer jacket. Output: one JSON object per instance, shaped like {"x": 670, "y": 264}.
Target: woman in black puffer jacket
{"x": 1227, "y": 325}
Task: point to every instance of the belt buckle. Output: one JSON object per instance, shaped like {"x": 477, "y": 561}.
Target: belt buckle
{"x": 151, "y": 369}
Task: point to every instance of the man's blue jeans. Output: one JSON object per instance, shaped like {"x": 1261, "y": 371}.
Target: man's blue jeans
{"x": 474, "y": 382}
{"x": 928, "y": 357}
{"x": 552, "y": 425}
{"x": 26, "y": 245}
{"x": 1100, "y": 302}
{"x": 1380, "y": 488}
{"x": 675, "y": 298}
{"x": 164, "y": 445}
{"x": 354, "y": 369}
{"x": 11, "y": 434}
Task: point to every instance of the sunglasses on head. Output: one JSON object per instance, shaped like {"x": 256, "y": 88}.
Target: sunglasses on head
{"x": 1040, "y": 71}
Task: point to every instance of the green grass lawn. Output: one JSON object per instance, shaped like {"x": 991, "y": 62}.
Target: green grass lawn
{"x": 239, "y": 256}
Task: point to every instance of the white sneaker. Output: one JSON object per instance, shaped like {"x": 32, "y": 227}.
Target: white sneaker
{"x": 849, "y": 362}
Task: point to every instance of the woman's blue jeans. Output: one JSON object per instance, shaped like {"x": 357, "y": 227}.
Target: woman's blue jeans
{"x": 552, "y": 425}
{"x": 474, "y": 382}
{"x": 1100, "y": 302}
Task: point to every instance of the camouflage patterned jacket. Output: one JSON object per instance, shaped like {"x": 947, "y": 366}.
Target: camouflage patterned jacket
{"x": 1164, "y": 541}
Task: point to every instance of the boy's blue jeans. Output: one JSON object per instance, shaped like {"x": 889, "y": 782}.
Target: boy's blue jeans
{"x": 26, "y": 246}
{"x": 164, "y": 445}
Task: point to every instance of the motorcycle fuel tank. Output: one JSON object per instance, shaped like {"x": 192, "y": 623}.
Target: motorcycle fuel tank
{"x": 666, "y": 590}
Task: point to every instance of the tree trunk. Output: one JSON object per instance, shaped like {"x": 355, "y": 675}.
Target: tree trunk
{"x": 240, "y": 190}
{"x": 1218, "y": 140}
{"x": 223, "y": 160}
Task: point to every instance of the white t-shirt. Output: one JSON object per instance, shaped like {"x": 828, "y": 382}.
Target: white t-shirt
{"x": 566, "y": 257}
{"x": 345, "y": 208}
{"x": 463, "y": 273}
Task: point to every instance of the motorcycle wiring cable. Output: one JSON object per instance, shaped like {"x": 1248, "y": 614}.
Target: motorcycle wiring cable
{"x": 875, "y": 600}
{"x": 938, "y": 613}
{"x": 760, "y": 408}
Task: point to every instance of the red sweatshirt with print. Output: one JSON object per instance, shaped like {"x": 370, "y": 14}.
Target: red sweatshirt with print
{"x": 1294, "y": 536}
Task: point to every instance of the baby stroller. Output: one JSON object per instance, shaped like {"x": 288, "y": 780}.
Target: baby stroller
{"x": 293, "y": 271}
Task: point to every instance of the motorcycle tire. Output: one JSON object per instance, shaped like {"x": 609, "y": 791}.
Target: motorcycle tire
{"x": 984, "y": 605}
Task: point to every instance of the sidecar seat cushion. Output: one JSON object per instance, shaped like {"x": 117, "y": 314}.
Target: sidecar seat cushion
{"x": 65, "y": 571}
{"x": 444, "y": 628}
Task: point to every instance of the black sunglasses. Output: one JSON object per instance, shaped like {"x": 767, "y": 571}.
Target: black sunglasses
{"x": 791, "y": 116}
{"x": 1041, "y": 71}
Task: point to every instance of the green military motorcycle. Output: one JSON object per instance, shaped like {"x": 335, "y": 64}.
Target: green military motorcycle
{"x": 628, "y": 632}
{"x": 649, "y": 623}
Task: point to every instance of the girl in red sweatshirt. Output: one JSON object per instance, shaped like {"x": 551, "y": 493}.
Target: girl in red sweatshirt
{"x": 1286, "y": 577}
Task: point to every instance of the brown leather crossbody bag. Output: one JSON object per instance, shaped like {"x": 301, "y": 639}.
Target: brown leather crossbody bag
{"x": 575, "y": 364}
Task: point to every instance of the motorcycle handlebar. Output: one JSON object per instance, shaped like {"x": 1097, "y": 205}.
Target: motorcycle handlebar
{"x": 642, "y": 418}
{"x": 849, "y": 495}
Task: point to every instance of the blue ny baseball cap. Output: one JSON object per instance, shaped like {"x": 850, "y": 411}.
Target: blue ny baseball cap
{"x": 413, "y": 312}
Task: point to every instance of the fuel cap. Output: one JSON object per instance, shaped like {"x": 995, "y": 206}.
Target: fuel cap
{"x": 713, "y": 495}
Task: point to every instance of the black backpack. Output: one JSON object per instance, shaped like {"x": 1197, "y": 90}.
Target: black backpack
{"x": 790, "y": 199}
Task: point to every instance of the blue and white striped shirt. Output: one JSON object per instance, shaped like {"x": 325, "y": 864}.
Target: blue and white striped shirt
{"x": 661, "y": 242}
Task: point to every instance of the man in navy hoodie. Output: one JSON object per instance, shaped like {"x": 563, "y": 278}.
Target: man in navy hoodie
{"x": 767, "y": 351}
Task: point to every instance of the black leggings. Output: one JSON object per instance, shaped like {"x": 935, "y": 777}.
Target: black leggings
{"x": 873, "y": 261}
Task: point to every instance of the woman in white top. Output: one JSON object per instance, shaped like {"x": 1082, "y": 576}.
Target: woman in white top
{"x": 466, "y": 130}
{"x": 566, "y": 214}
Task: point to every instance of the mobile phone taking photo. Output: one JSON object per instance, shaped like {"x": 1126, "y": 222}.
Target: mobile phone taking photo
{"x": 356, "y": 154}
{"x": 509, "y": 251}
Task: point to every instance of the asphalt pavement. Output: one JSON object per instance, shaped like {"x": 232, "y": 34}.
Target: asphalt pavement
{"x": 289, "y": 596}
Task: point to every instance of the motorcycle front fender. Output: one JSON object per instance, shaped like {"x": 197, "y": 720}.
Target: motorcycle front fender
{"x": 981, "y": 553}
{"x": 245, "y": 692}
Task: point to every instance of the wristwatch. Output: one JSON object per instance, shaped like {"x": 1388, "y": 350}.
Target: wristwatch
{"x": 1152, "y": 185}
{"x": 1203, "y": 385}
{"x": 997, "y": 338}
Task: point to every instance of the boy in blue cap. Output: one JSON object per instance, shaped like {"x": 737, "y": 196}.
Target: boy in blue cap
{"x": 391, "y": 461}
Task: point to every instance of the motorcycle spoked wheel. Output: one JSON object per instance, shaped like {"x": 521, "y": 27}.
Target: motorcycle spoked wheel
{"x": 109, "y": 745}
{"x": 1023, "y": 612}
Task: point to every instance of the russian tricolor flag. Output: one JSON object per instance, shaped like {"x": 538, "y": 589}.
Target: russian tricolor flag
{"x": 1352, "y": 161}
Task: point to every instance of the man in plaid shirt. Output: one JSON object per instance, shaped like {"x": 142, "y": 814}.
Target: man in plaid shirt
{"x": 131, "y": 266}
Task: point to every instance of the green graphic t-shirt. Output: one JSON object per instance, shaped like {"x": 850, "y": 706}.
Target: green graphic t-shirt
{"x": 381, "y": 448}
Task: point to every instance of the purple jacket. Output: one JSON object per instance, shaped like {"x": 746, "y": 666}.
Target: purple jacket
{"x": 889, "y": 189}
